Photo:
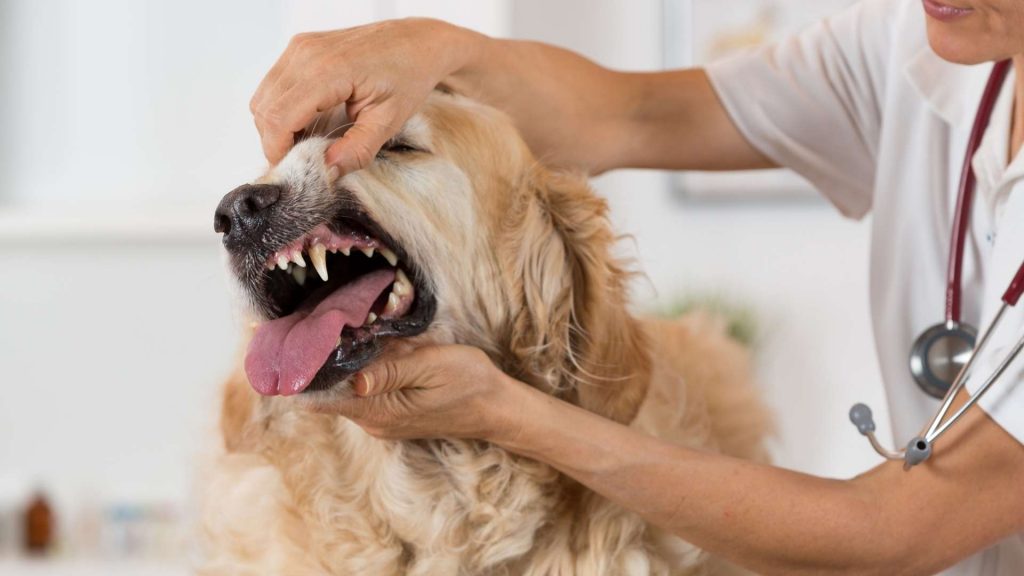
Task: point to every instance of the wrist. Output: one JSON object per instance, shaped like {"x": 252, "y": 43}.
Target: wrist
{"x": 506, "y": 408}
{"x": 468, "y": 52}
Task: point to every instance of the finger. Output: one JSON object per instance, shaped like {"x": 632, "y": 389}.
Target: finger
{"x": 278, "y": 79}
{"x": 292, "y": 112}
{"x": 269, "y": 88}
{"x": 413, "y": 369}
{"x": 381, "y": 378}
{"x": 394, "y": 373}
{"x": 357, "y": 148}
{"x": 269, "y": 91}
{"x": 276, "y": 145}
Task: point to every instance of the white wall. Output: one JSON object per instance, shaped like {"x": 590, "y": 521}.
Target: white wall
{"x": 107, "y": 105}
{"x": 129, "y": 103}
{"x": 800, "y": 265}
{"x": 113, "y": 338}
{"x": 124, "y": 123}
{"x": 112, "y": 350}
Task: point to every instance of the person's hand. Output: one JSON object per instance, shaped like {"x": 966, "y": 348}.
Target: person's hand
{"x": 433, "y": 392}
{"x": 382, "y": 73}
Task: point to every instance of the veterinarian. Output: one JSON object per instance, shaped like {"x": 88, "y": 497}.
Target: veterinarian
{"x": 876, "y": 107}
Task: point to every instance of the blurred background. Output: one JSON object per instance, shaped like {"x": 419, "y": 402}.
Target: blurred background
{"x": 123, "y": 122}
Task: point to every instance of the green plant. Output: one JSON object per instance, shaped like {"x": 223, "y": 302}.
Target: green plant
{"x": 741, "y": 319}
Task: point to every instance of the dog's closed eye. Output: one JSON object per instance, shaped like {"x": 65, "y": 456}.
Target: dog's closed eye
{"x": 398, "y": 147}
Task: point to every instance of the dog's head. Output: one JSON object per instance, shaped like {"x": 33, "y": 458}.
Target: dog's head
{"x": 453, "y": 234}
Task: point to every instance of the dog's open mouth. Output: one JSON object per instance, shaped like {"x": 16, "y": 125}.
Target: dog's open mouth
{"x": 341, "y": 291}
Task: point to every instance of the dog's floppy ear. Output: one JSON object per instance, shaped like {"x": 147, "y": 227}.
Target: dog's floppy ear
{"x": 571, "y": 332}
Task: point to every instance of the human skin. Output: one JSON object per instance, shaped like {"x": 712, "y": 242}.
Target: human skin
{"x": 557, "y": 99}
{"x": 885, "y": 521}
{"x": 773, "y": 521}
{"x": 988, "y": 31}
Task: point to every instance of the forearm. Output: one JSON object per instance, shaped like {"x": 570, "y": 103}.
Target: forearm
{"x": 887, "y": 521}
{"x": 575, "y": 113}
{"x": 767, "y": 519}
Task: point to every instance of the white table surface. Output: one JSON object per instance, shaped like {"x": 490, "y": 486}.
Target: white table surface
{"x": 88, "y": 567}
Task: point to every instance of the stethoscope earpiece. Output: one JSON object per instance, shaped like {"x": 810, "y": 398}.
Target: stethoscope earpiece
{"x": 861, "y": 417}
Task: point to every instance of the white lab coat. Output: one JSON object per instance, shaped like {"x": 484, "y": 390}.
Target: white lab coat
{"x": 860, "y": 106}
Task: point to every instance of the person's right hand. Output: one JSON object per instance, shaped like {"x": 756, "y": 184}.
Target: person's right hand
{"x": 381, "y": 72}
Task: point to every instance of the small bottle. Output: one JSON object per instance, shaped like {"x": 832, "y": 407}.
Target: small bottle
{"x": 39, "y": 525}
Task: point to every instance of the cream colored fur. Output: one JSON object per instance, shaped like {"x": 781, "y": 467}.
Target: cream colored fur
{"x": 519, "y": 258}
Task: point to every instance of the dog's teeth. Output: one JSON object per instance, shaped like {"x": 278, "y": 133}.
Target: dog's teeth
{"x": 338, "y": 343}
{"x": 390, "y": 256}
{"x": 371, "y": 318}
{"x": 298, "y": 259}
{"x": 282, "y": 262}
{"x": 367, "y": 251}
{"x": 392, "y": 303}
{"x": 300, "y": 275}
{"x": 402, "y": 284}
{"x": 346, "y": 250}
{"x": 318, "y": 256}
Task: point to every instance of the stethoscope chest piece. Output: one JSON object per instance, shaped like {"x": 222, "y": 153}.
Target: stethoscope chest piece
{"x": 941, "y": 358}
{"x": 939, "y": 354}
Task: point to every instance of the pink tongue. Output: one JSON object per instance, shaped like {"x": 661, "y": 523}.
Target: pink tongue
{"x": 285, "y": 354}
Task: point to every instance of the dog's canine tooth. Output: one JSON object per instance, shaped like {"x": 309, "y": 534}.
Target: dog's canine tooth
{"x": 298, "y": 259}
{"x": 367, "y": 251}
{"x": 392, "y": 303}
{"x": 299, "y": 273}
{"x": 370, "y": 318}
{"x": 402, "y": 284}
{"x": 282, "y": 262}
{"x": 390, "y": 256}
{"x": 318, "y": 256}
{"x": 338, "y": 343}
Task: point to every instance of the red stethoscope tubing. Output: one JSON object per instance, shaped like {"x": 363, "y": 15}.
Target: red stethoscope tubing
{"x": 965, "y": 198}
{"x": 919, "y": 448}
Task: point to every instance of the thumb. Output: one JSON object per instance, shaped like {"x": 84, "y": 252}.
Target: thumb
{"x": 384, "y": 377}
{"x": 357, "y": 148}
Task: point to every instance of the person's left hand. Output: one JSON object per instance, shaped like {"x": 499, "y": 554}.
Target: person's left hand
{"x": 432, "y": 392}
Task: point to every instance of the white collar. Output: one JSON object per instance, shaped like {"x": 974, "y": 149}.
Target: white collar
{"x": 991, "y": 161}
{"x": 952, "y": 91}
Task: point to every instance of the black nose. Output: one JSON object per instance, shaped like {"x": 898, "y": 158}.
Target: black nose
{"x": 245, "y": 208}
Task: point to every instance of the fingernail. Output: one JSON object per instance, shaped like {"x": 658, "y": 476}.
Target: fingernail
{"x": 364, "y": 384}
{"x": 332, "y": 174}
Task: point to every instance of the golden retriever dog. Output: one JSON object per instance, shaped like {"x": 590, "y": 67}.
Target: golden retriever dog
{"x": 454, "y": 234}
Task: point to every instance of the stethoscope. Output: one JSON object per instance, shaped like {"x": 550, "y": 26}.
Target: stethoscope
{"x": 942, "y": 356}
